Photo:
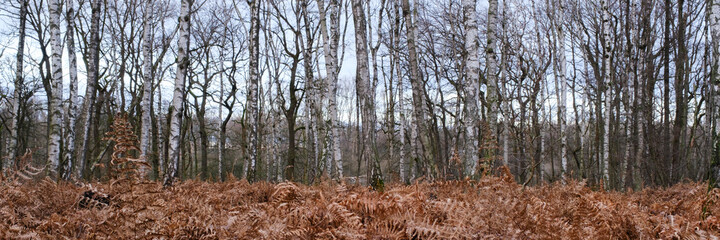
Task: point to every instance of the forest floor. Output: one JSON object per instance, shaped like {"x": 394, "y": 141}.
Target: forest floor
{"x": 491, "y": 208}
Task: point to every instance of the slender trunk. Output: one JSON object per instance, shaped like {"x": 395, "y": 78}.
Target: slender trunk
{"x": 680, "y": 123}
{"x": 93, "y": 70}
{"x": 561, "y": 69}
{"x": 272, "y": 144}
{"x": 365, "y": 100}
{"x": 471, "y": 86}
{"x": 147, "y": 84}
{"x": 221, "y": 137}
{"x": 71, "y": 110}
{"x": 505, "y": 101}
{"x": 420, "y": 131}
{"x": 18, "y": 88}
{"x": 492, "y": 74}
{"x": 607, "y": 81}
{"x": 253, "y": 119}
{"x": 330, "y": 48}
{"x": 314, "y": 89}
{"x": 176, "y": 110}
{"x": 162, "y": 139}
{"x": 667, "y": 157}
{"x": 631, "y": 113}
{"x": 202, "y": 130}
{"x": 401, "y": 95}
{"x": 714, "y": 81}
{"x": 56, "y": 95}
{"x": 646, "y": 127}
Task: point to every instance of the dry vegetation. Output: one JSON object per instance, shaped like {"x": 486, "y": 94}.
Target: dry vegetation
{"x": 127, "y": 207}
{"x": 493, "y": 208}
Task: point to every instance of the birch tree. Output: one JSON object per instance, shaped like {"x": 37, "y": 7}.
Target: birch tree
{"x": 400, "y": 95}
{"x": 313, "y": 87}
{"x": 71, "y": 108}
{"x": 714, "y": 18}
{"x": 561, "y": 70}
{"x": 471, "y": 85}
{"x": 18, "y": 85}
{"x": 147, "y": 82}
{"x": 420, "y": 129}
{"x": 330, "y": 48}
{"x": 55, "y": 114}
{"x": 93, "y": 69}
{"x": 363, "y": 86}
{"x": 176, "y": 110}
{"x": 252, "y": 97}
{"x": 606, "y": 80}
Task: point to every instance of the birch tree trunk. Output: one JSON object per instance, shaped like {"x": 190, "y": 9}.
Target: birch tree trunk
{"x": 176, "y": 110}
{"x": 419, "y": 128}
{"x": 252, "y": 96}
{"x": 162, "y": 140}
{"x": 561, "y": 69}
{"x": 373, "y": 47}
{"x": 314, "y": 89}
{"x": 632, "y": 101}
{"x": 71, "y": 110}
{"x": 606, "y": 80}
{"x": 18, "y": 87}
{"x": 714, "y": 81}
{"x": 400, "y": 97}
{"x": 146, "y": 104}
{"x": 365, "y": 100}
{"x": 471, "y": 85}
{"x": 55, "y": 114}
{"x": 492, "y": 71}
{"x": 505, "y": 100}
{"x": 93, "y": 70}
{"x": 330, "y": 48}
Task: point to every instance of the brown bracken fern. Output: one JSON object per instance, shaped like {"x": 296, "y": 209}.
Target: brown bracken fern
{"x": 490, "y": 208}
{"x": 23, "y": 170}
{"x": 121, "y": 164}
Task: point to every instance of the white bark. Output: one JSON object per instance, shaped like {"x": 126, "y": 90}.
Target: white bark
{"x": 314, "y": 89}
{"x": 56, "y": 95}
{"x": 330, "y": 48}
{"x": 252, "y": 97}
{"x": 400, "y": 107}
{"x": 418, "y": 127}
{"x": 161, "y": 133}
{"x": 363, "y": 88}
{"x": 505, "y": 102}
{"x": 633, "y": 84}
{"x": 715, "y": 87}
{"x": 146, "y": 105}
{"x": 471, "y": 85}
{"x": 606, "y": 81}
{"x": 18, "y": 87}
{"x": 71, "y": 110}
{"x": 176, "y": 110}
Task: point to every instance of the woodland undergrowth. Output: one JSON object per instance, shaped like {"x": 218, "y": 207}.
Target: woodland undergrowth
{"x": 494, "y": 207}
{"x": 491, "y": 208}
